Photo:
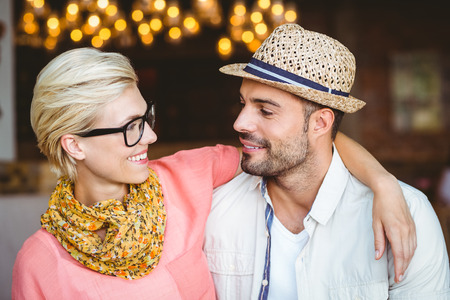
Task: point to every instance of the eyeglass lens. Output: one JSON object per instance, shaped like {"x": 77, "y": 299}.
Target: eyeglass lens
{"x": 135, "y": 129}
{"x": 151, "y": 116}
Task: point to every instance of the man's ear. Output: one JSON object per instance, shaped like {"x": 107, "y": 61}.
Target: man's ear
{"x": 323, "y": 121}
{"x": 71, "y": 145}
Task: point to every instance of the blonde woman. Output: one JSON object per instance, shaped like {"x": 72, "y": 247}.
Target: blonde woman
{"x": 119, "y": 226}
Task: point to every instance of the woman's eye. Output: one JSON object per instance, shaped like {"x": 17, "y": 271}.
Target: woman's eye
{"x": 131, "y": 126}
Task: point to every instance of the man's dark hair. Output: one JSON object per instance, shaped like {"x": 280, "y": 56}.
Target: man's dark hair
{"x": 311, "y": 107}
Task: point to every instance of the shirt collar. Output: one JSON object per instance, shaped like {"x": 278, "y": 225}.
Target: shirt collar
{"x": 255, "y": 182}
{"x": 331, "y": 190}
{"x": 329, "y": 194}
{"x": 260, "y": 183}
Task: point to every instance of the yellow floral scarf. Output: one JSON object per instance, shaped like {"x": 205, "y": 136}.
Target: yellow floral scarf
{"x": 134, "y": 229}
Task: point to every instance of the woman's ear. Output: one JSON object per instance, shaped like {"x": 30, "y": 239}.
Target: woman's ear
{"x": 71, "y": 145}
{"x": 323, "y": 121}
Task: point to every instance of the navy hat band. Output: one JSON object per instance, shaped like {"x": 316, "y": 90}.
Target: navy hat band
{"x": 266, "y": 71}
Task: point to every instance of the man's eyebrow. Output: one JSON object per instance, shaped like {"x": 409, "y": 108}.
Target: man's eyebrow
{"x": 264, "y": 101}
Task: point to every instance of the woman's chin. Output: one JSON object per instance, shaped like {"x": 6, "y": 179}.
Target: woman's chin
{"x": 137, "y": 177}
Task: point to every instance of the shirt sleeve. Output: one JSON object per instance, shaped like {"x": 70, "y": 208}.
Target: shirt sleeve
{"x": 427, "y": 276}
{"x": 188, "y": 178}
{"x": 221, "y": 162}
{"x": 227, "y": 165}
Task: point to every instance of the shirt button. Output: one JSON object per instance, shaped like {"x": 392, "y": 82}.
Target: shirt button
{"x": 267, "y": 233}
{"x": 232, "y": 267}
{"x": 265, "y": 282}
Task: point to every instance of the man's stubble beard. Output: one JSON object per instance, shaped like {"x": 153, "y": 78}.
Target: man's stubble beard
{"x": 279, "y": 160}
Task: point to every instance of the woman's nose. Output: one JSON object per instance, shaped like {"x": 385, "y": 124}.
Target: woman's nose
{"x": 148, "y": 136}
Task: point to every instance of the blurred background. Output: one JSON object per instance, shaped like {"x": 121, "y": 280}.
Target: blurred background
{"x": 402, "y": 51}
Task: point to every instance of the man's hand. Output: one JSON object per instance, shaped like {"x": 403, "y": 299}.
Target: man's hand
{"x": 392, "y": 219}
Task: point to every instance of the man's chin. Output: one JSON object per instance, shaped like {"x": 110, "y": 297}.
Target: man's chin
{"x": 252, "y": 169}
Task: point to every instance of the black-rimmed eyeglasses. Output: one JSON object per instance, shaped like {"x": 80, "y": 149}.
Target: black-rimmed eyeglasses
{"x": 132, "y": 131}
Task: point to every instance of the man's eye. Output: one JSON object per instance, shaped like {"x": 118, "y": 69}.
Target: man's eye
{"x": 265, "y": 112}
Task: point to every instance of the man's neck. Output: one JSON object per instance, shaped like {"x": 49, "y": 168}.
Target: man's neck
{"x": 293, "y": 194}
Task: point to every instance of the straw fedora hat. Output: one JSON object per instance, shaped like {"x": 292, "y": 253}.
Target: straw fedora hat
{"x": 305, "y": 63}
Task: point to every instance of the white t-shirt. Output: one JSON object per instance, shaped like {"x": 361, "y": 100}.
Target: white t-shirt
{"x": 285, "y": 248}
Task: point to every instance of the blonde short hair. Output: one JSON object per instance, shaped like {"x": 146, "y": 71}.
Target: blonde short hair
{"x": 69, "y": 94}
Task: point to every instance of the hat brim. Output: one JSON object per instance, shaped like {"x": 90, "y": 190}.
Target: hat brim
{"x": 346, "y": 104}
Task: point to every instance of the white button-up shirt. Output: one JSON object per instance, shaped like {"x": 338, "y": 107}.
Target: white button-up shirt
{"x": 338, "y": 262}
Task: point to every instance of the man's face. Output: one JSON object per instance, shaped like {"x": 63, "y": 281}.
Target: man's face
{"x": 271, "y": 130}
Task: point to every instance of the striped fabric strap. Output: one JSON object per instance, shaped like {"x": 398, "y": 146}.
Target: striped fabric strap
{"x": 264, "y": 291}
{"x": 266, "y": 71}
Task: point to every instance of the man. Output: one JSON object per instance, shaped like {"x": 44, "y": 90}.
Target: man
{"x": 300, "y": 226}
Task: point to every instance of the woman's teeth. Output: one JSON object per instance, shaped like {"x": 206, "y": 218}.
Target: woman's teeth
{"x": 138, "y": 157}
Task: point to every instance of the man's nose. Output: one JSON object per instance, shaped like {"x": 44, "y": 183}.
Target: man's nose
{"x": 244, "y": 122}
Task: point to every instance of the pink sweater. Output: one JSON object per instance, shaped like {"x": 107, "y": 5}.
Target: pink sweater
{"x": 44, "y": 270}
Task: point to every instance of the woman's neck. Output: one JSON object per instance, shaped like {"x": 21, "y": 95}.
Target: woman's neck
{"x": 91, "y": 191}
